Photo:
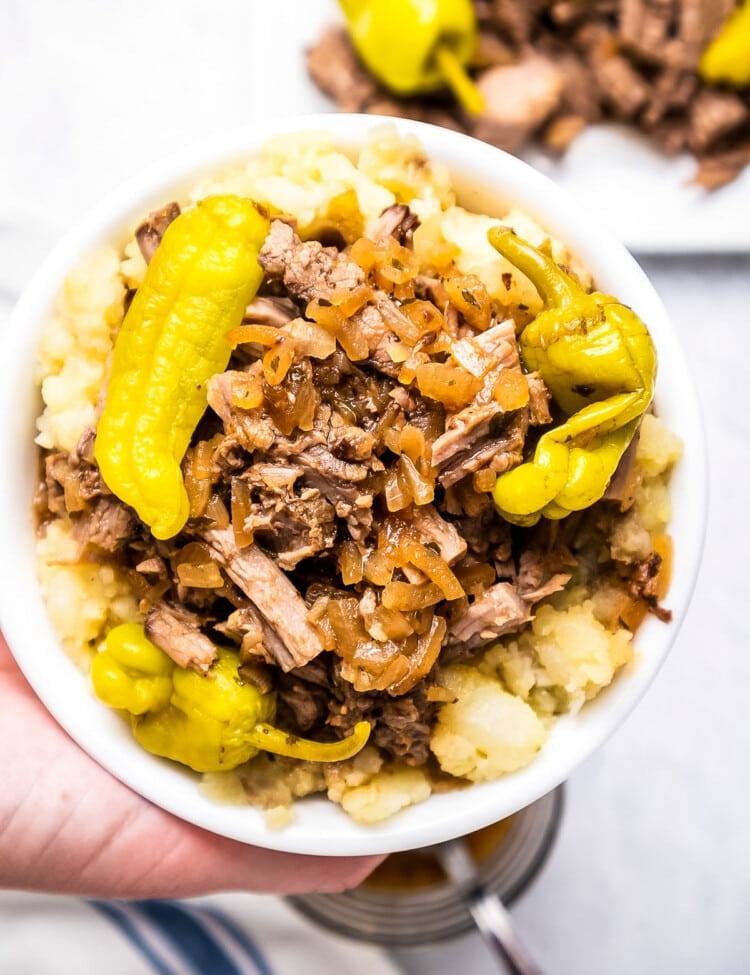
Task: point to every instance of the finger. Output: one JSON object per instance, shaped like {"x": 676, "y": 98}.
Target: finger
{"x": 66, "y": 825}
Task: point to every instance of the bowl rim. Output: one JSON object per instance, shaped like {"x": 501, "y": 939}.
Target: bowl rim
{"x": 321, "y": 827}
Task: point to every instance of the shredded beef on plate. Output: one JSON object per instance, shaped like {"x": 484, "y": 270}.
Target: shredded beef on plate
{"x": 547, "y": 70}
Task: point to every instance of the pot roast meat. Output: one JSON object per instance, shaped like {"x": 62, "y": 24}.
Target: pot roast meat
{"x": 307, "y": 269}
{"x": 723, "y": 166}
{"x": 466, "y": 428}
{"x": 434, "y": 530}
{"x": 316, "y": 696}
{"x": 396, "y": 221}
{"x": 538, "y": 575}
{"x": 519, "y": 97}
{"x": 499, "y": 453}
{"x": 256, "y": 638}
{"x": 267, "y": 310}
{"x": 106, "y": 524}
{"x": 70, "y": 484}
{"x": 714, "y": 114}
{"x": 151, "y": 231}
{"x": 250, "y": 429}
{"x": 335, "y": 68}
{"x": 546, "y": 70}
{"x": 273, "y": 595}
{"x": 176, "y": 631}
{"x": 497, "y": 611}
{"x": 292, "y": 528}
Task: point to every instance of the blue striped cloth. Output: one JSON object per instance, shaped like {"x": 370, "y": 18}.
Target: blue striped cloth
{"x": 177, "y": 939}
{"x": 231, "y": 934}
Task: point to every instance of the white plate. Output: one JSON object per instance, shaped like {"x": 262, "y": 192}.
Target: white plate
{"x": 644, "y": 198}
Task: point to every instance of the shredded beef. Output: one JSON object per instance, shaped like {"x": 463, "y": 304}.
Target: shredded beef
{"x": 499, "y": 610}
{"x": 272, "y": 594}
{"x": 307, "y": 269}
{"x": 178, "y": 632}
{"x": 151, "y": 231}
{"x": 105, "y": 524}
{"x": 399, "y": 222}
{"x": 315, "y": 697}
{"x": 267, "y": 310}
{"x": 643, "y": 584}
{"x": 546, "y": 70}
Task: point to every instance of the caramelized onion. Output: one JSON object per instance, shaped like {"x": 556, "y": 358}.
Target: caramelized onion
{"x": 350, "y": 564}
{"x": 405, "y": 597}
{"x": 277, "y": 361}
{"x": 468, "y": 295}
{"x": 241, "y": 511}
{"x": 511, "y": 391}
{"x": 256, "y": 334}
{"x": 450, "y": 385}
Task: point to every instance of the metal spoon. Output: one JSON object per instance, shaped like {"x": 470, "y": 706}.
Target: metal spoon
{"x": 490, "y": 915}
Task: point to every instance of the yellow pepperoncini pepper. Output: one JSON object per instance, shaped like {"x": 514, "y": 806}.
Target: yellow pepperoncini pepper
{"x": 171, "y": 342}
{"x": 727, "y": 57}
{"x": 415, "y": 46}
{"x": 210, "y": 723}
{"x": 599, "y": 363}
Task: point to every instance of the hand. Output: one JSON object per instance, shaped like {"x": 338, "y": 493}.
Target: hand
{"x": 67, "y": 826}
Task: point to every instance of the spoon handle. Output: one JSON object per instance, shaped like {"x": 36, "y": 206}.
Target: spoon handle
{"x": 492, "y": 918}
{"x": 494, "y": 923}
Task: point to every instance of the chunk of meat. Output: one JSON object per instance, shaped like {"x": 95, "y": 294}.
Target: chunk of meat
{"x": 499, "y": 452}
{"x": 433, "y": 529}
{"x": 277, "y": 312}
{"x": 620, "y": 86}
{"x": 497, "y": 611}
{"x": 537, "y": 577}
{"x": 518, "y": 98}
{"x": 273, "y": 595}
{"x": 396, "y": 221}
{"x": 539, "y": 397}
{"x": 338, "y": 481}
{"x": 722, "y": 167}
{"x": 250, "y": 429}
{"x": 514, "y": 20}
{"x": 307, "y": 269}
{"x": 292, "y": 528}
{"x": 106, "y": 524}
{"x": 714, "y": 114}
{"x": 464, "y": 429}
{"x": 69, "y": 485}
{"x": 176, "y": 631}
{"x": 644, "y": 27}
{"x": 151, "y": 231}
{"x": 369, "y": 322}
{"x": 644, "y": 584}
{"x": 256, "y": 638}
{"x": 335, "y": 68}
{"x": 351, "y": 443}
{"x": 488, "y": 537}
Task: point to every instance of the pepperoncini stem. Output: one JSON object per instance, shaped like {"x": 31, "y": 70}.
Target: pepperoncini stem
{"x": 415, "y": 46}
{"x": 727, "y": 57}
{"x": 556, "y": 288}
{"x": 467, "y": 94}
{"x": 599, "y": 363}
{"x": 269, "y": 739}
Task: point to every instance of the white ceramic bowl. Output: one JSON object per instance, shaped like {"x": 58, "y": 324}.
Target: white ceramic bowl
{"x": 487, "y": 180}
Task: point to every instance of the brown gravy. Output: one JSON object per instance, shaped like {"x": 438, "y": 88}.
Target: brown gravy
{"x": 403, "y": 873}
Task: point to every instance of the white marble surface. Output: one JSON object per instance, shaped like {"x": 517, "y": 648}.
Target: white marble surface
{"x": 651, "y": 873}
